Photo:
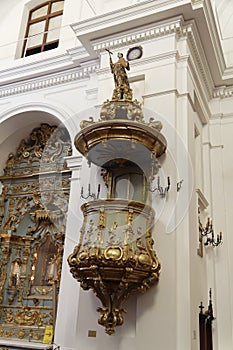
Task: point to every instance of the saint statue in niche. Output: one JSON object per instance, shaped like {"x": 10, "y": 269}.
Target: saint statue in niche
{"x": 52, "y": 270}
{"x": 14, "y": 280}
{"x": 47, "y": 264}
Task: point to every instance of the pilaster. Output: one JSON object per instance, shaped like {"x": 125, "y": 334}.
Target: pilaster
{"x": 221, "y": 255}
{"x": 67, "y": 314}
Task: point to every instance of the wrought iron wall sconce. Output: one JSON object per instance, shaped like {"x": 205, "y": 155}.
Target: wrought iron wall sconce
{"x": 89, "y": 195}
{"x": 208, "y": 232}
{"x": 162, "y": 191}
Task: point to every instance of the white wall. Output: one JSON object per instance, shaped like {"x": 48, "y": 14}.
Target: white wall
{"x": 170, "y": 82}
{"x": 221, "y": 185}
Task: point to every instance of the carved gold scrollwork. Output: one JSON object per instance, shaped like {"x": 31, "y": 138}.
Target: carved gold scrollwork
{"x": 6, "y": 251}
{"x": 130, "y": 110}
{"x": 47, "y": 142}
{"x": 28, "y": 317}
{"x": 43, "y": 290}
{"x": 25, "y": 316}
{"x": 117, "y": 269}
{"x": 6, "y": 333}
{"x": 105, "y": 175}
{"x": 85, "y": 123}
{"x": 33, "y": 206}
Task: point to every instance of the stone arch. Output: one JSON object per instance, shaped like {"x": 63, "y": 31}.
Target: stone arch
{"x": 17, "y": 122}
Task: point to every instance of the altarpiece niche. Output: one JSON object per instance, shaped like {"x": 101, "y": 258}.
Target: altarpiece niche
{"x": 33, "y": 208}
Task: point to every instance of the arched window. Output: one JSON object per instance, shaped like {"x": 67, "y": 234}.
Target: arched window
{"x": 43, "y": 27}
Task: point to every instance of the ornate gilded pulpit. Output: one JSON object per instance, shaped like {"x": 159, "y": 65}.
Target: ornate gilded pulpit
{"x": 115, "y": 255}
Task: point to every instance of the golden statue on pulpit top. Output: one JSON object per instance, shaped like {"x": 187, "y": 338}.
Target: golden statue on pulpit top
{"x": 122, "y": 89}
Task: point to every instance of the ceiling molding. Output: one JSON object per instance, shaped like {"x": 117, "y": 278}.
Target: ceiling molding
{"x": 160, "y": 29}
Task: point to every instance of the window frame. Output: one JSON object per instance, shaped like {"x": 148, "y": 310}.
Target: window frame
{"x": 45, "y": 18}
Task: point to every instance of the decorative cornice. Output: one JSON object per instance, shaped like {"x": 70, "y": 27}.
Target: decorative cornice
{"x": 173, "y": 26}
{"x": 74, "y": 162}
{"x": 50, "y": 80}
{"x": 154, "y": 11}
{"x": 223, "y": 92}
{"x": 197, "y": 3}
{"x": 27, "y": 67}
{"x": 49, "y": 71}
{"x": 198, "y": 65}
{"x": 190, "y": 30}
{"x": 127, "y": 17}
{"x": 214, "y": 52}
{"x": 44, "y": 64}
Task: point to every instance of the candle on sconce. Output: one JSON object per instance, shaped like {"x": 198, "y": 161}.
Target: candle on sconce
{"x": 208, "y": 232}
{"x": 168, "y": 181}
{"x": 212, "y": 232}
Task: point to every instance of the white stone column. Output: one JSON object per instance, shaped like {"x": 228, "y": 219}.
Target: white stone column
{"x": 67, "y": 313}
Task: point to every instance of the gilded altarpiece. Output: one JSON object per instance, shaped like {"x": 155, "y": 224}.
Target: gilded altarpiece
{"x": 33, "y": 207}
